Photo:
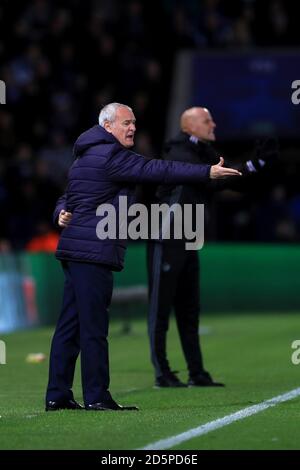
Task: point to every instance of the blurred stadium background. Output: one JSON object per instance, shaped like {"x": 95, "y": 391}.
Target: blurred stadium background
{"x": 61, "y": 61}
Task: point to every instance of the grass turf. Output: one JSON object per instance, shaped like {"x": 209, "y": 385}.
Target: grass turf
{"x": 250, "y": 353}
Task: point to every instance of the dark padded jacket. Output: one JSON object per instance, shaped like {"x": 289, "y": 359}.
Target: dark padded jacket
{"x": 103, "y": 171}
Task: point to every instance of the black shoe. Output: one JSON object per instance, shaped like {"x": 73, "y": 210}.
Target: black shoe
{"x": 203, "y": 380}
{"x": 168, "y": 379}
{"x": 109, "y": 405}
{"x": 63, "y": 405}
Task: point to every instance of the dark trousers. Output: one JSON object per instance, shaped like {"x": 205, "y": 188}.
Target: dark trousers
{"x": 82, "y": 327}
{"x": 173, "y": 283}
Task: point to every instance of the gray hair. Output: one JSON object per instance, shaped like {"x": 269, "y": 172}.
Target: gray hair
{"x": 108, "y": 113}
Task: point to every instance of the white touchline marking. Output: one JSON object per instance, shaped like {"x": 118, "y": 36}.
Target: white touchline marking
{"x": 219, "y": 423}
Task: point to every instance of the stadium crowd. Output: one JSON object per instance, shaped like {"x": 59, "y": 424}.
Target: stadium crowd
{"x": 62, "y": 60}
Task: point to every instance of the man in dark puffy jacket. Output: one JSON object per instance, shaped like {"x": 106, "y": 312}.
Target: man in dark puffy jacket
{"x": 104, "y": 170}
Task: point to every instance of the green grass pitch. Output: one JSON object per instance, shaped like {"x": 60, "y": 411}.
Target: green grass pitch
{"x": 250, "y": 353}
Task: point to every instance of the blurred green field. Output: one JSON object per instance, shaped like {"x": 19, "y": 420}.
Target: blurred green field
{"x": 250, "y": 353}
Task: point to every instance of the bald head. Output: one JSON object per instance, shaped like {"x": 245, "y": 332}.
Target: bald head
{"x": 198, "y": 122}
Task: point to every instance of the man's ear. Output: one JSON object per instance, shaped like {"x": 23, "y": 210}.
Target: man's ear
{"x": 107, "y": 126}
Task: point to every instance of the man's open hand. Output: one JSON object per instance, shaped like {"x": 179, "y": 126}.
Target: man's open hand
{"x": 219, "y": 172}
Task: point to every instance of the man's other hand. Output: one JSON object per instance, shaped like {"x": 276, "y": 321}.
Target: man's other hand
{"x": 219, "y": 172}
{"x": 266, "y": 151}
{"x": 64, "y": 218}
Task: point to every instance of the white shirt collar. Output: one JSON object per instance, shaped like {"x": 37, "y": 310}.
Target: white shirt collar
{"x": 194, "y": 139}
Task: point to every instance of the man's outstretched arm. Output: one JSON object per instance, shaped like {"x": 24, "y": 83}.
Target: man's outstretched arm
{"x": 126, "y": 166}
